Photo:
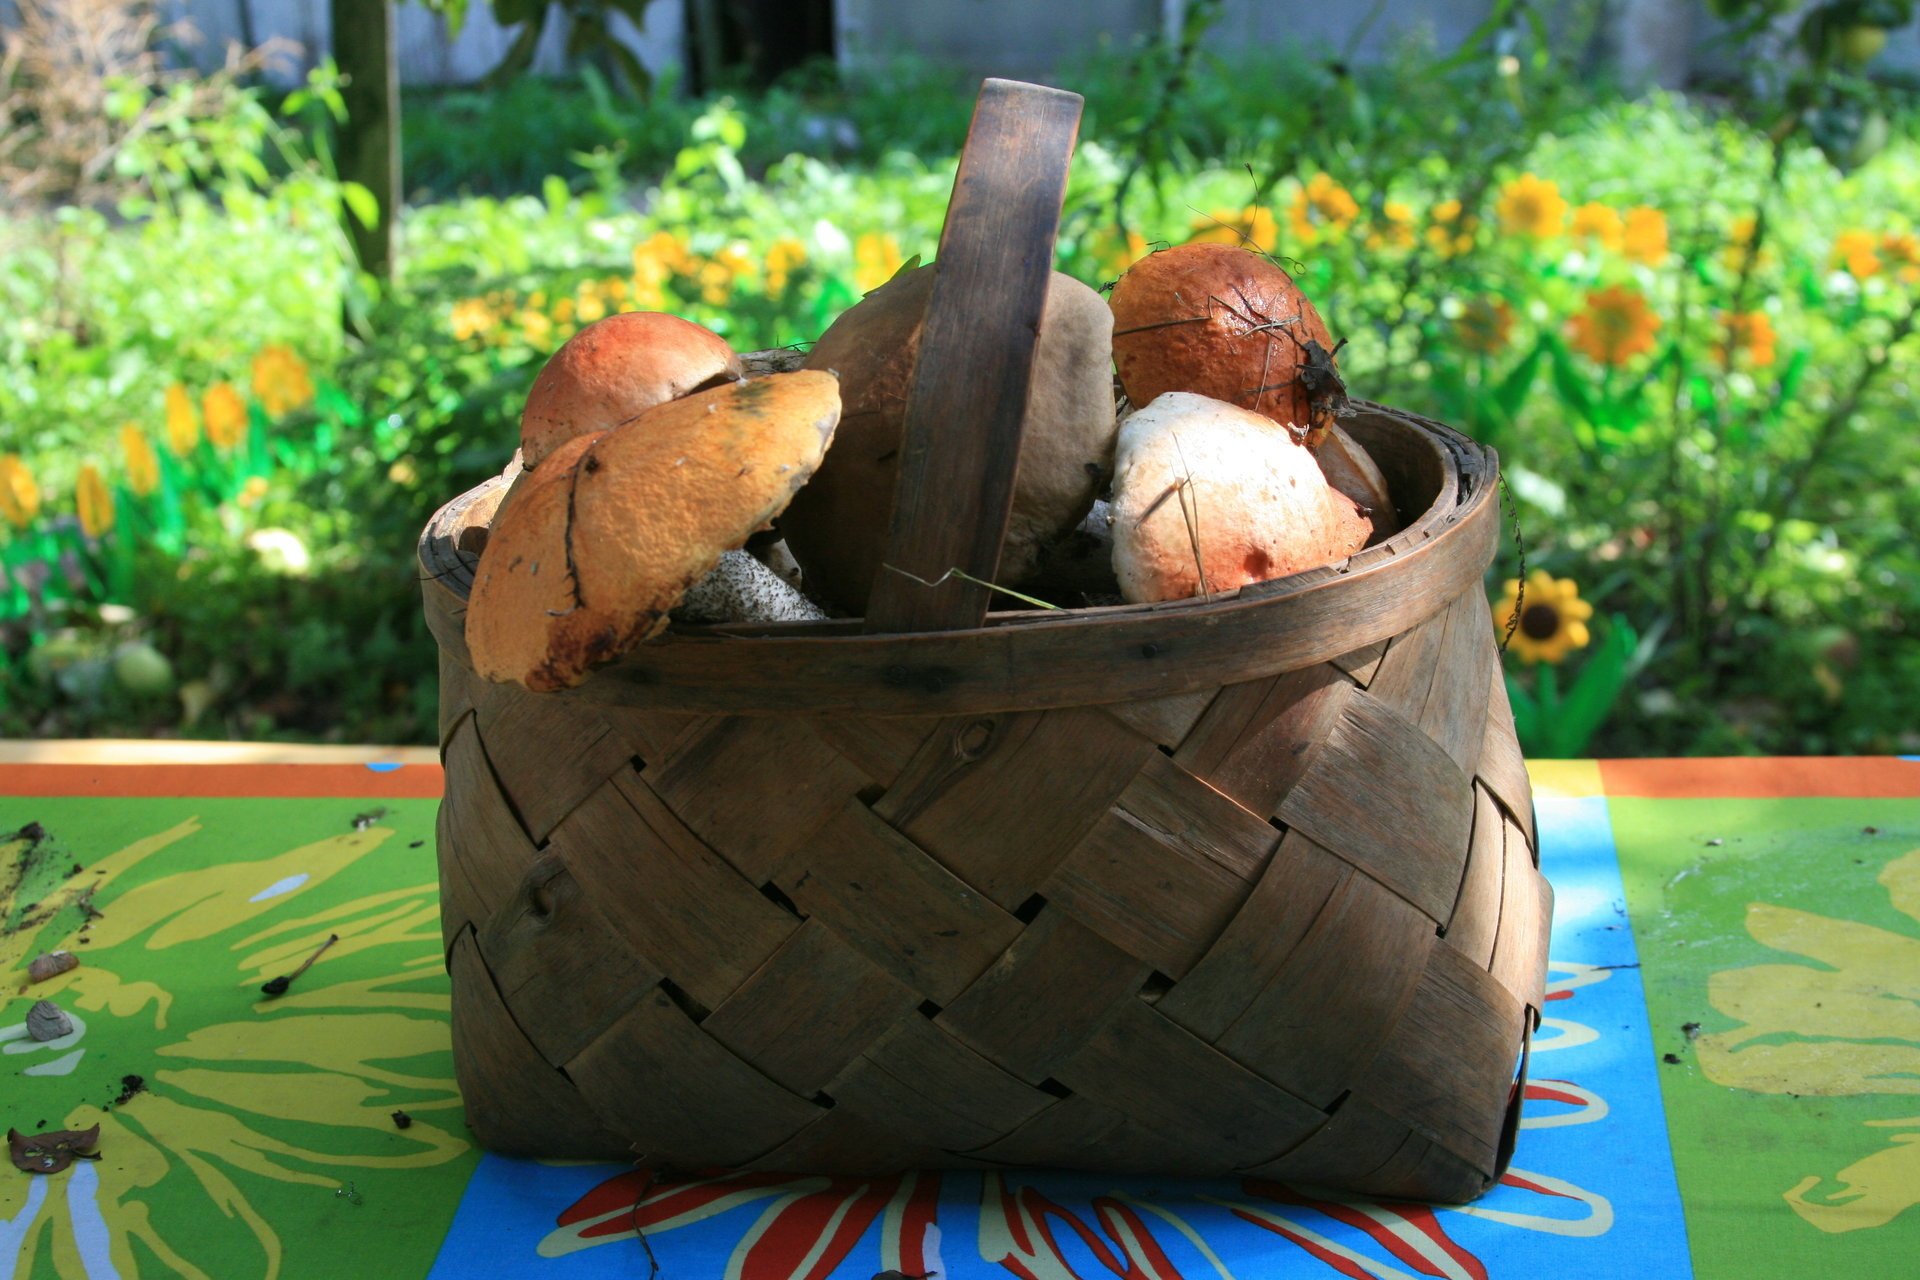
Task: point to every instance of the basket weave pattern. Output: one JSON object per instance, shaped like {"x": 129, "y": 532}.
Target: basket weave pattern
{"x": 1291, "y": 926}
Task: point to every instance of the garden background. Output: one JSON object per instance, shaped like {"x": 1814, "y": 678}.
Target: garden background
{"x": 1685, "y": 319}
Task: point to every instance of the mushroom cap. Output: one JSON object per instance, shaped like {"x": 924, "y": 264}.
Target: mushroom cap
{"x": 615, "y": 368}
{"x": 591, "y": 551}
{"x": 1190, "y": 469}
{"x": 1352, "y": 470}
{"x": 1220, "y": 321}
{"x": 838, "y": 526}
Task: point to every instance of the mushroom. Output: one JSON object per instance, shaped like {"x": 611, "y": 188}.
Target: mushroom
{"x": 1352, "y": 470}
{"x": 837, "y": 527}
{"x": 616, "y": 368}
{"x": 593, "y": 549}
{"x": 1221, "y": 321}
{"x": 1209, "y": 497}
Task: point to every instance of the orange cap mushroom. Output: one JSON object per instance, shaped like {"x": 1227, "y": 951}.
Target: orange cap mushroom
{"x": 1225, "y": 322}
{"x": 616, "y": 368}
{"x": 595, "y": 547}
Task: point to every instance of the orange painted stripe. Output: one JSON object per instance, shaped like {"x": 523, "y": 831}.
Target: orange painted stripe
{"x": 314, "y": 781}
{"x": 1770, "y": 777}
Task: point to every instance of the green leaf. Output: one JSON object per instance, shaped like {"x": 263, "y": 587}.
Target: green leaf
{"x": 362, "y": 203}
{"x": 1594, "y": 690}
{"x": 1513, "y": 390}
{"x": 553, "y": 189}
{"x": 1568, "y": 382}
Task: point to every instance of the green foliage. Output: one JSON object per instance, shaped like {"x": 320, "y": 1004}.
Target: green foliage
{"x": 1739, "y": 523}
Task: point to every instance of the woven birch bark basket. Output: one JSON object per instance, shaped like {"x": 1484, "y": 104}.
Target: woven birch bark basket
{"x": 1245, "y": 884}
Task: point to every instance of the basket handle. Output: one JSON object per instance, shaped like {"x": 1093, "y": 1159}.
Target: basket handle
{"x": 968, "y": 402}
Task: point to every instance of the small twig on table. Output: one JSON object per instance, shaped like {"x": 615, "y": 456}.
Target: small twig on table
{"x": 278, "y": 986}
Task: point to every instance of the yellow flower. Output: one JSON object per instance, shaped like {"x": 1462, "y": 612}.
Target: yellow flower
{"x": 1553, "y": 619}
{"x": 1395, "y": 228}
{"x": 19, "y": 495}
{"x": 536, "y": 327}
{"x": 1853, "y": 252}
{"x": 1902, "y": 250}
{"x": 1448, "y": 232}
{"x": 1644, "y": 237}
{"x": 1599, "y": 222}
{"x": 1112, "y": 255}
{"x": 280, "y": 381}
{"x": 93, "y": 501}
{"x": 1616, "y": 326}
{"x": 659, "y": 257}
{"x": 1485, "y": 325}
{"x": 1321, "y": 205}
{"x": 252, "y": 491}
{"x": 1251, "y": 226}
{"x": 183, "y": 429}
{"x": 563, "y": 311}
{"x": 1532, "y": 207}
{"x": 226, "y": 415}
{"x": 143, "y": 464}
{"x": 589, "y": 302}
{"x": 876, "y": 257}
{"x": 1749, "y": 332}
{"x": 472, "y": 318}
{"x": 784, "y": 257}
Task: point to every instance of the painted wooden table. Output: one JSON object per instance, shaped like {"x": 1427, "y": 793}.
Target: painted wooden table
{"x": 1728, "y": 1083}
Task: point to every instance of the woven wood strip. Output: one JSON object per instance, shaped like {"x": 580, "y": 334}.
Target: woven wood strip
{"x": 549, "y": 754}
{"x": 999, "y": 800}
{"x": 1164, "y": 721}
{"x": 1526, "y": 918}
{"x": 1502, "y": 768}
{"x": 1475, "y": 922}
{"x": 926, "y": 1083}
{"x": 1255, "y": 741}
{"x": 483, "y": 848}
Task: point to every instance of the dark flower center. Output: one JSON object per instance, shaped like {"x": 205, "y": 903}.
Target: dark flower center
{"x": 1540, "y": 621}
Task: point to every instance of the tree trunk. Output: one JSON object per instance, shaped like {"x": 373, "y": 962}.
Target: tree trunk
{"x": 369, "y": 151}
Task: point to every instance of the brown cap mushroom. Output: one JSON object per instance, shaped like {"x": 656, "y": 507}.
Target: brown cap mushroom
{"x": 615, "y": 368}
{"x": 837, "y": 527}
{"x": 594, "y": 548}
{"x": 1222, "y": 321}
{"x": 1208, "y": 497}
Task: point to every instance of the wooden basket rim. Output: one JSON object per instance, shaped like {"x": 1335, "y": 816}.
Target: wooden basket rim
{"x": 1031, "y": 659}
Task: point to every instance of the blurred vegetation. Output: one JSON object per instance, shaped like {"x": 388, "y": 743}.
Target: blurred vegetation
{"x": 1686, "y": 324}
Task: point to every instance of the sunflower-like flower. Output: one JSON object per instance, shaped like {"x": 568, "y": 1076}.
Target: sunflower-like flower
{"x": 1854, "y": 253}
{"x": 1533, "y": 207}
{"x": 183, "y": 429}
{"x": 225, "y": 414}
{"x": 1616, "y": 326}
{"x": 1600, "y": 223}
{"x": 1321, "y": 205}
{"x": 280, "y": 380}
{"x": 1643, "y": 236}
{"x": 1484, "y": 325}
{"x": 784, "y": 257}
{"x": 143, "y": 464}
{"x": 1553, "y": 620}
{"x": 93, "y": 501}
{"x": 1747, "y": 333}
{"x": 19, "y": 495}
{"x": 1450, "y": 233}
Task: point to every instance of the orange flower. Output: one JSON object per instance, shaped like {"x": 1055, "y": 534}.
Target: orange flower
{"x": 1616, "y": 326}
{"x": 183, "y": 430}
{"x": 1901, "y": 250}
{"x": 225, "y": 413}
{"x": 1484, "y": 325}
{"x": 93, "y": 501}
{"x": 1448, "y": 232}
{"x": 143, "y": 464}
{"x": 1395, "y": 228}
{"x": 1644, "y": 236}
{"x": 876, "y": 257}
{"x": 1749, "y": 332}
{"x": 1853, "y": 252}
{"x": 19, "y": 495}
{"x": 784, "y": 257}
{"x": 280, "y": 381}
{"x": 1321, "y": 205}
{"x": 1532, "y": 207}
{"x": 1598, "y": 222}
